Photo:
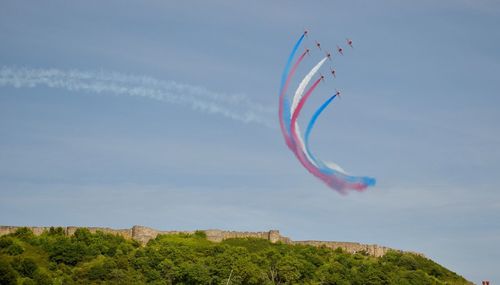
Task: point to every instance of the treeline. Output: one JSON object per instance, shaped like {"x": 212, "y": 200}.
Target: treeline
{"x": 100, "y": 258}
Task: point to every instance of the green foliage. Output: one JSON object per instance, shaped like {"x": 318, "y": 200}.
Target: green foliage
{"x": 5, "y": 242}
{"x": 100, "y": 258}
{"x": 56, "y": 231}
{"x": 42, "y": 278}
{"x": 28, "y": 281}
{"x": 64, "y": 250}
{"x": 25, "y": 266}
{"x": 24, "y": 234}
{"x": 15, "y": 249}
{"x": 7, "y": 274}
{"x": 200, "y": 234}
{"x": 252, "y": 244}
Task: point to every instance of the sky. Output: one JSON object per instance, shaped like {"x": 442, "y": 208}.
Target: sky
{"x": 164, "y": 114}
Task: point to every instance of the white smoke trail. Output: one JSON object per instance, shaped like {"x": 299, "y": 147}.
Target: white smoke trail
{"x": 303, "y": 84}
{"x": 295, "y": 101}
{"x": 236, "y": 107}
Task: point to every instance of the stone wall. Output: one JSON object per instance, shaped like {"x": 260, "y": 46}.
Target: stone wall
{"x": 351, "y": 247}
{"x": 144, "y": 234}
{"x": 126, "y": 233}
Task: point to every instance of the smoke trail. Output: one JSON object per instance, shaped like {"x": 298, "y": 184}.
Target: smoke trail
{"x": 331, "y": 168}
{"x": 299, "y": 147}
{"x": 289, "y": 61}
{"x": 295, "y": 101}
{"x": 310, "y": 126}
{"x": 331, "y": 176}
{"x": 298, "y": 95}
{"x": 236, "y": 107}
{"x": 284, "y": 108}
{"x": 325, "y": 167}
{"x": 303, "y": 84}
{"x": 289, "y": 111}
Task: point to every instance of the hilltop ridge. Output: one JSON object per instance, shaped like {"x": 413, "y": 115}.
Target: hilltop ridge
{"x": 144, "y": 234}
{"x": 80, "y": 255}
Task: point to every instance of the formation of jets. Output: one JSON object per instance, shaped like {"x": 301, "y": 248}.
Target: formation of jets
{"x": 330, "y": 57}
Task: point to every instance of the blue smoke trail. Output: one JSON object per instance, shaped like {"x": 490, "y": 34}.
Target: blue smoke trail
{"x": 285, "y": 73}
{"x": 290, "y": 58}
{"x": 321, "y": 166}
{"x": 313, "y": 120}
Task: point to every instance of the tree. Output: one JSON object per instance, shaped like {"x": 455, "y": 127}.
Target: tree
{"x": 42, "y": 278}
{"x": 67, "y": 252}
{"x": 5, "y": 242}
{"x": 289, "y": 270}
{"x": 24, "y": 234}
{"x": 7, "y": 274}
{"x": 26, "y": 267}
{"x": 15, "y": 249}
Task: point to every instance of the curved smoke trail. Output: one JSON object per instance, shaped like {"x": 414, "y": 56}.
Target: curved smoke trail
{"x": 331, "y": 181}
{"x": 289, "y": 61}
{"x": 303, "y": 84}
{"x": 298, "y": 96}
{"x": 283, "y": 105}
{"x": 310, "y": 126}
{"x": 285, "y": 78}
{"x": 330, "y": 173}
{"x": 294, "y": 128}
{"x": 331, "y": 168}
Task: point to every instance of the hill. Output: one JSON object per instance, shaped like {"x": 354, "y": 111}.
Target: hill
{"x": 143, "y": 234}
{"x": 53, "y": 257}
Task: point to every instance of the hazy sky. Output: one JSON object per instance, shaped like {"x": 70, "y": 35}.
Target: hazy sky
{"x": 181, "y": 130}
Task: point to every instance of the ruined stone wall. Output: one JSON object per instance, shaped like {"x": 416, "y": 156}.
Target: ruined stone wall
{"x": 5, "y": 230}
{"x": 126, "y": 233}
{"x": 351, "y": 247}
{"x": 144, "y": 234}
{"x": 218, "y": 235}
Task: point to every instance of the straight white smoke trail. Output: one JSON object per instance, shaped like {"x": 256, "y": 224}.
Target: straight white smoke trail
{"x": 236, "y": 107}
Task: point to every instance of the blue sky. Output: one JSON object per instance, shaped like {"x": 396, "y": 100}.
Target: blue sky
{"x": 419, "y": 113}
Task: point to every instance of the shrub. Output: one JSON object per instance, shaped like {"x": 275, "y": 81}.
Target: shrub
{"x": 67, "y": 252}
{"x": 27, "y": 267}
{"x": 5, "y": 242}
{"x": 29, "y": 281}
{"x": 42, "y": 278}
{"x": 15, "y": 249}
{"x": 200, "y": 234}
{"x": 7, "y": 274}
{"x": 56, "y": 231}
{"x": 24, "y": 234}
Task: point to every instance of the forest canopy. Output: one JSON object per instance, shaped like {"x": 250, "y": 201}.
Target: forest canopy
{"x": 102, "y": 258}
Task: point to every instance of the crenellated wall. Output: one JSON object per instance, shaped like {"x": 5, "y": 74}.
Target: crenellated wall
{"x": 144, "y": 234}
